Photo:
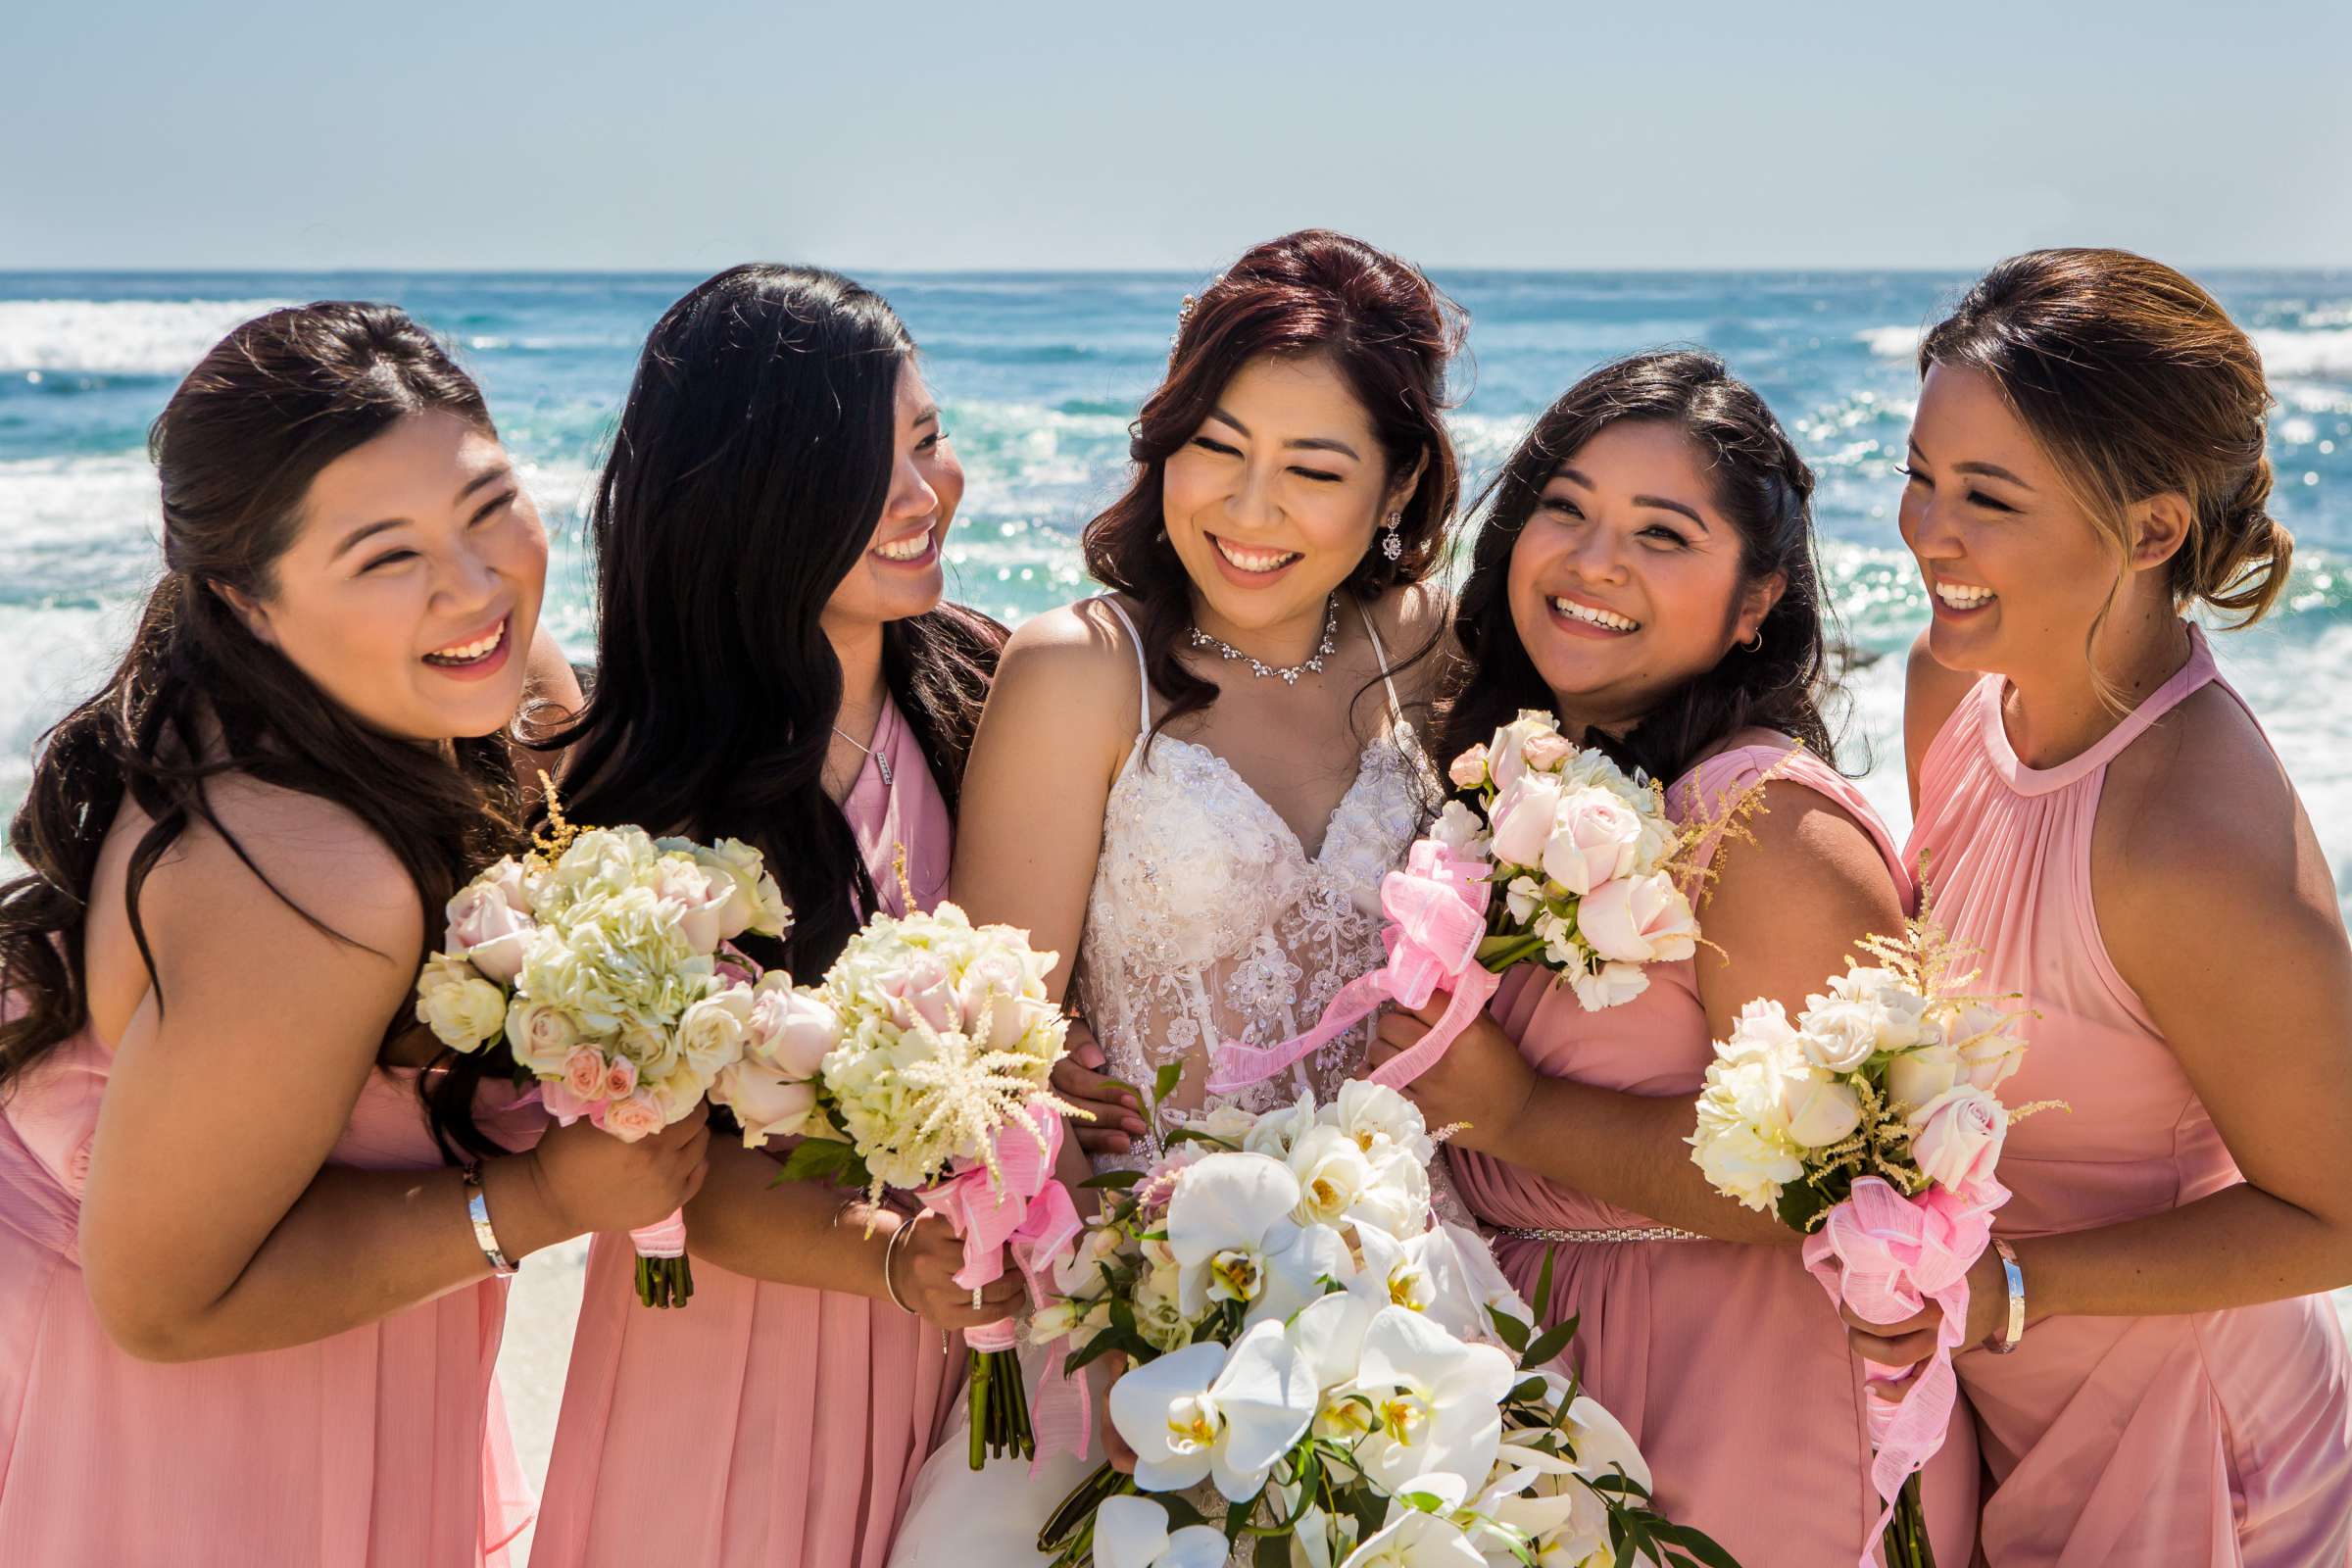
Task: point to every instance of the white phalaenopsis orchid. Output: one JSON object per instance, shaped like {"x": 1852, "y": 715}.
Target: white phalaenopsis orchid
{"x": 1133, "y": 1533}
{"x": 1413, "y": 1538}
{"x": 1202, "y": 1413}
{"x": 1436, "y": 1401}
{"x": 1230, "y": 1213}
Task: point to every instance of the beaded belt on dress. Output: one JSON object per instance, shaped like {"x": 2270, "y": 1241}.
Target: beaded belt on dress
{"x": 1651, "y": 1233}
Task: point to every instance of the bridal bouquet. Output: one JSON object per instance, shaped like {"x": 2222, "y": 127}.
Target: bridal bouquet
{"x": 1870, "y": 1124}
{"x": 602, "y": 959}
{"x": 1591, "y": 873}
{"x": 1355, "y": 1383}
{"x": 922, "y": 1061}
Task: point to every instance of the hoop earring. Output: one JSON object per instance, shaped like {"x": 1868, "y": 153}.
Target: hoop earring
{"x": 1391, "y": 544}
{"x": 1753, "y": 641}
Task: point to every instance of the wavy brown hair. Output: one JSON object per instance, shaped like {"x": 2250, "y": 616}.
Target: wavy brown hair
{"x": 1761, "y": 485}
{"x": 197, "y": 697}
{"x": 1388, "y": 332}
{"x": 2135, "y": 383}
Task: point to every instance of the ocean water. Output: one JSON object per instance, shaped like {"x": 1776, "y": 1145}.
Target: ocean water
{"x": 1038, "y": 375}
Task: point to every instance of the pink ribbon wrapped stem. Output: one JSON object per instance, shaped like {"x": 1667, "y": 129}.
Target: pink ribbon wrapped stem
{"x": 1437, "y": 910}
{"x": 662, "y": 1238}
{"x": 1886, "y": 1257}
{"x": 1028, "y": 1216}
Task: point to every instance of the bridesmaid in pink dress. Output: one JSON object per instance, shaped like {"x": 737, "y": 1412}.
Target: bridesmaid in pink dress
{"x": 2087, "y": 461}
{"x": 249, "y": 1304}
{"x": 776, "y": 665}
{"x": 1647, "y": 573}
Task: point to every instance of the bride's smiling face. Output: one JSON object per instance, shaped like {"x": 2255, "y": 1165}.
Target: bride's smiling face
{"x": 1275, "y": 498}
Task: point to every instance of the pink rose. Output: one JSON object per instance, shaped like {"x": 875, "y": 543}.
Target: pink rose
{"x": 1522, "y": 818}
{"x": 637, "y": 1116}
{"x": 923, "y": 992}
{"x": 792, "y": 1030}
{"x": 563, "y": 1104}
{"x": 1956, "y": 1138}
{"x": 507, "y": 876}
{"x": 584, "y": 1072}
{"x": 620, "y": 1078}
{"x": 1988, "y": 1048}
{"x": 1547, "y": 751}
{"x": 702, "y": 904}
{"x": 1592, "y": 839}
{"x": 1642, "y": 919}
{"x": 488, "y": 931}
{"x": 1469, "y": 770}
{"x": 764, "y": 1104}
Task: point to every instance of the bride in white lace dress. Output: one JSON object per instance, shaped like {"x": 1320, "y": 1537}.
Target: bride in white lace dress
{"x": 1193, "y": 789}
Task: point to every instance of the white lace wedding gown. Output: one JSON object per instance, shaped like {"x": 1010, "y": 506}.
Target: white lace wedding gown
{"x": 1208, "y": 921}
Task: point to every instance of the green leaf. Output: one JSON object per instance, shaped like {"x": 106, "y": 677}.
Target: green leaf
{"x": 1111, "y": 1181}
{"x": 1528, "y": 1392}
{"x": 1698, "y": 1544}
{"x": 1236, "y": 1519}
{"x": 1548, "y": 1345}
{"x": 820, "y": 1160}
{"x": 1164, "y": 1083}
{"x": 1543, "y": 1301}
{"x": 1513, "y": 1332}
{"x": 1801, "y": 1206}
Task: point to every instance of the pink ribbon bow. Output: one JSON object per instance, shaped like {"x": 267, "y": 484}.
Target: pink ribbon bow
{"x": 1436, "y": 909}
{"x": 1031, "y": 1216}
{"x": 1886, "y": 1256}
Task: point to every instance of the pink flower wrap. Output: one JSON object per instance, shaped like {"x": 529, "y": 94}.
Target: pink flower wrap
{"x": 1886, "y": 1256}
{"x": 661, "y": 1238}
{"x": 1436, "y": 909}
{"x": 1031, "y": 1216}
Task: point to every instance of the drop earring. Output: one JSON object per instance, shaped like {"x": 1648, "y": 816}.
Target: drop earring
{"x": 1391, "y": 543}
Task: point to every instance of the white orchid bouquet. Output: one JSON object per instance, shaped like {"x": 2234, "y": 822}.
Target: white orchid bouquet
{"x": 1321, "y": 1369}
{"x": 923, "y": 1063}
{"x": 1870, "y": 1124}
{"x": 601, "y": 957}
{"x": 1591, "y": 873}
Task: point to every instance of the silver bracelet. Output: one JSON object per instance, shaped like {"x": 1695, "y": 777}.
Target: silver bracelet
{"x": 889, "y": 1255}
{"x": 477, "y": 1209}
{"x": 2014, "y": 1330}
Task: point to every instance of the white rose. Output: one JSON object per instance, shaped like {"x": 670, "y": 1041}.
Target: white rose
{"x": 1821, "y": 1111}
{"x": 541, "y": 1036}
{"x": 713, "y": 1031}
{"x": 464, "y": 1010}
{"x": 1839, "y": 1035}
{"x": 1762, "y": 1029}
{"x": 1609, "y": 985}
{"x": 1918, "y": 1076}
{"x": 1746, "y": 1164}
{"x": 1459, "y": 829}
{"x": 1989, "y": 1049}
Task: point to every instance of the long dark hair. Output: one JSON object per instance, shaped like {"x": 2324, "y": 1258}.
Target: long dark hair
{"x": 1761, "y": 485}
{"x": 746, "y": 479}
{"x": 2135, "y": 382}
{"x": 198, "y": 696}
{"x": 1388, "y": 332}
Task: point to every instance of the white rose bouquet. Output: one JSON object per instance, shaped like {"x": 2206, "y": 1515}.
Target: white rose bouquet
{"x": 1320, "y": 1367}
{"x": 1591, "y": 873}
{"x": 1871, "y": 1125}
{"x": 923, "y": 1061}
{"x": 602, "y": 959}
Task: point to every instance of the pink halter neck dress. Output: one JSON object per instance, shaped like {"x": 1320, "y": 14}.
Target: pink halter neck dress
{"x": 1726, "y": 1362}
{"x": 383, "y": 1445}
{"x": 2196, "y": 1441}
{"x": 762, "y": 1424}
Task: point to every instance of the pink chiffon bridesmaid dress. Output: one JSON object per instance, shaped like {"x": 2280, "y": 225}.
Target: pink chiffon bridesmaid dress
{"x": 1726, "y": 1362}
{"x": 383, "y": 1446}
{"x": 762, "y": 1424}
{"x": 2211, "y": 1440}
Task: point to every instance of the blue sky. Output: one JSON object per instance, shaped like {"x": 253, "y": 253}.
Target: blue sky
{"x": 521, "y": 134}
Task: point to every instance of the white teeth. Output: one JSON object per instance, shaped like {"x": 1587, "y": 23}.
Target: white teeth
{"x": 1607, "y": 618}
{"x": 1256, "y": 560}
{"x": 464, "y": 653}
{"x": 1964, "y": 595}
{"x": 914, "y": 548}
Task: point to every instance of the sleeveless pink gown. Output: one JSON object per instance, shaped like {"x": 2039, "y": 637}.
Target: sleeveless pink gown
{"x": 1726, "y": 1362}
{"x": 2207, "y": 1439}
{"x": 762, "y": 1424}
{"x": 384, "y": 1445}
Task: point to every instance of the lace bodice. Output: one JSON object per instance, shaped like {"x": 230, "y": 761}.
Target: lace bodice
{"x": 1208, "y": 920}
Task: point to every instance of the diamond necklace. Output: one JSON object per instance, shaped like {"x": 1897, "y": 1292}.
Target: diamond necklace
{"x": 1290, "y": 677}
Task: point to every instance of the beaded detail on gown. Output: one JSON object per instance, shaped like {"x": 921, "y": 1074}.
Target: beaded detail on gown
{"x": 1210, "y": 920}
